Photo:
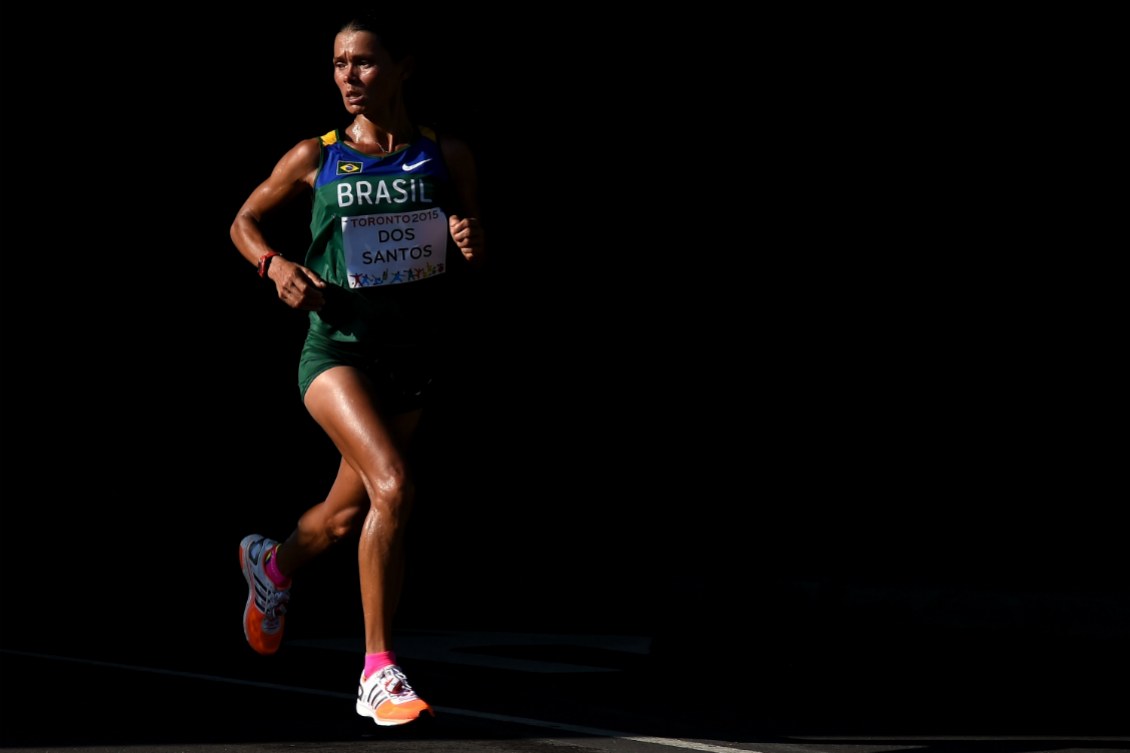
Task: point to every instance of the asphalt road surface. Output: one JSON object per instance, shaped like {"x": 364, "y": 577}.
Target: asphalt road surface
{"x": 118, "y": 687}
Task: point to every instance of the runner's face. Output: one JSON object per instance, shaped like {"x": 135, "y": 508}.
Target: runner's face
{"x": 366, "y": 75}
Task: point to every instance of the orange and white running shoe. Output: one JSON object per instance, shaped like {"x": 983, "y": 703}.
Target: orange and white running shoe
{"x": 387, "y": 697}
{"x": 265, "y": 613}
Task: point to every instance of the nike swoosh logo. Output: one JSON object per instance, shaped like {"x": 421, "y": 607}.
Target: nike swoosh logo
{"x": 414, "y": 165}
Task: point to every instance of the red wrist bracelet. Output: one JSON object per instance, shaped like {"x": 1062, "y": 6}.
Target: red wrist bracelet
{"x": 265, "y": 261}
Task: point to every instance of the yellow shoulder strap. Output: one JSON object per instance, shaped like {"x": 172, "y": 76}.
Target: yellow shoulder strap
{"x": 329, "y": 138}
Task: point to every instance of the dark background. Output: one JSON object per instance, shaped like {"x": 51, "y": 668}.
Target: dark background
{"x": 752, "y": 338}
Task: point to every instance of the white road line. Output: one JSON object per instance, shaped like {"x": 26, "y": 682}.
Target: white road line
{"x": 178, "y": 673}
{"x": 593, "y": 731}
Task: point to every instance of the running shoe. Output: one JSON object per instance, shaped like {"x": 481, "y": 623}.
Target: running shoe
{"x": 387, "y": 697}
{"x": 265, "y": 613}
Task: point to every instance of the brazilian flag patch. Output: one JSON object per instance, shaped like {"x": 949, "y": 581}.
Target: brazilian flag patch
{"x": 348, "y": 168}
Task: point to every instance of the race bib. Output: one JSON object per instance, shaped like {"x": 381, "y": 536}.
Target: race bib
{"x": 389, "y": 249}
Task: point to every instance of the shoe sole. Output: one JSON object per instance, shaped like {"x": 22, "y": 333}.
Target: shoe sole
{"x": 364, "y": 710}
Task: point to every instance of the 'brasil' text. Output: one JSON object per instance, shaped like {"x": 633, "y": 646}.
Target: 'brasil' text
{"x": 398, "y": 191}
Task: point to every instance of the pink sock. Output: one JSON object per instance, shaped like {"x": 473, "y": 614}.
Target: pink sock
{"x": 271, "y": 567}
{"x": 378, "y": 661}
